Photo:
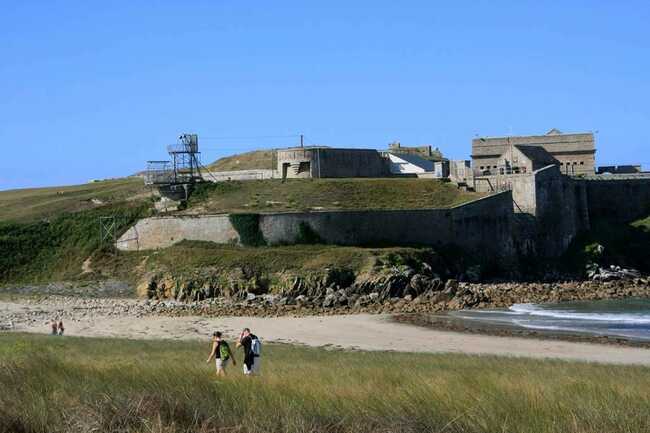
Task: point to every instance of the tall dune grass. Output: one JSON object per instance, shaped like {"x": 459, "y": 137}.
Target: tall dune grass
{"x": 53, "y": 384}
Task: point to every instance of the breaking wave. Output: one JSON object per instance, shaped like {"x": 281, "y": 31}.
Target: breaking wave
{"x": 537, "y": 311}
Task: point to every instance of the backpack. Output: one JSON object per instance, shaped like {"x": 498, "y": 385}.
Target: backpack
{"x": 224, "y": 351}
{"x": 256, "y": 346}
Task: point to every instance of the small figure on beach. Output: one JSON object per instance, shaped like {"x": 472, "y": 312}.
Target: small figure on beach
{"x": 221, "y": 353}
{"x": 252, "y": 351}
{"x": 60, "y": 327}
{"x": 54, "y": 327}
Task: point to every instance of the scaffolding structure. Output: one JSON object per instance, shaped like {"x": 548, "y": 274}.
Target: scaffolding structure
{"x": 182, "y": 169}
{"x": 107, "y": 231}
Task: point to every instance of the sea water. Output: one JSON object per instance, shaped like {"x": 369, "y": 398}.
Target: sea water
{"x": 626, "y": 318}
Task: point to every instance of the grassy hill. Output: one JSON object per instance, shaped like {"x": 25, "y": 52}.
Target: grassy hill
{"x": 257, "y": 159}
{"x": 317, "y": 194}
{"x": 47, "y": 233}
{"x": 25, "y": 205}
{"x": 63, "y": 384}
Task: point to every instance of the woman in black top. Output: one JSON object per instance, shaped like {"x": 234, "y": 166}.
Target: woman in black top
{"x": 219, "y": 347}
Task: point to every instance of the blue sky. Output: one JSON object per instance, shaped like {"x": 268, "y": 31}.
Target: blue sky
{"x": 93, "y": 89}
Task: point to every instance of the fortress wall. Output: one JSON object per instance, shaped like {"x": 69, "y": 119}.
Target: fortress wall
{"x": 256, "y": 174}
{"x": 560, "y": 212}
{"x": 619, "y": 199}
{"x": 390, "y": 227}
{"x": 162, "y": 232}
{"x": 481, "y": 226}
{"x": 484, "y": 226}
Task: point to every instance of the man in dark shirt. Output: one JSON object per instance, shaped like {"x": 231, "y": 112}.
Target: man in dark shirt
{"x": 251, "y": 361}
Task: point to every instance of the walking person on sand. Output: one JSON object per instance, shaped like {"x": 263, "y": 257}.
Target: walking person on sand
{"x": 221, "y": 354}
{"x": 53, "y": 326}
{"x": 252, "y": 351}
{"x": 60, "y": 327}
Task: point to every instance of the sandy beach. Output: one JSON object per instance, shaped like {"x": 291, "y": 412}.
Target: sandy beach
{"x": 124, "y": 319}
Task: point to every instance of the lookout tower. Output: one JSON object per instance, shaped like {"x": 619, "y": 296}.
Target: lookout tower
{"x": 175, "y": 178}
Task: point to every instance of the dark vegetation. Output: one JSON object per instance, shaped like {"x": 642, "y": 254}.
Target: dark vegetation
{"x": 307, "y": 235}
{"x": 248, "y": 228}
{"x": 611, "y": 243}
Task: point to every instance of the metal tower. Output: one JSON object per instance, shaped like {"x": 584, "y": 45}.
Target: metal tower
{"x": 177, "y": 176}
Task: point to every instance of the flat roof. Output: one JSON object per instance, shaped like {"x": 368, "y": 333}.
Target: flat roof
{"x": 356, "y": 149}
{"x": 549, "y": 136}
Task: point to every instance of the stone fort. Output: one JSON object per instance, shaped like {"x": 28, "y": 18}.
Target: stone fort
{"x": 541, "y": 191}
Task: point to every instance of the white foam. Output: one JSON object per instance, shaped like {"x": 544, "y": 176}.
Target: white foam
{"x": 535, "y": 310}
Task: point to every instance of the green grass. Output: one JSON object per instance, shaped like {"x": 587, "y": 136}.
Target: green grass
{"x": 642, "y": 224}
{"x": 189, "y": 255}
{"x": 53, "y": 384}
{"x": 55, "y": 249}
{"x": 257, "y": 159}
{"x": 314, "y": 194}
{"x": 32, "y": 204}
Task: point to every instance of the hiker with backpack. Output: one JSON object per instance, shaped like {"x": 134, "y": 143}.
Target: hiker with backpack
{"x": 221, "y": 353}
{"x": 252, "y": 351}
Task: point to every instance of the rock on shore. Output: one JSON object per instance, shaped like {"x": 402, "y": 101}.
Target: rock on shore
{"x": 402, "y": 295}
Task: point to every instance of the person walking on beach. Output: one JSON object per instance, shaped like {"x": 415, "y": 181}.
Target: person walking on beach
{"x": 53, "y": 326}
{"x": 252, "y": 351}
{"x": 221, "y": 353}
{"x": 60, "y": 327}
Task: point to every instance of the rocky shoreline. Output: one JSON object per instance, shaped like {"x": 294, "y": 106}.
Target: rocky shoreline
{"x": 396, "y": 291}
{"x": 418, "y": 295}
{"x": 416, "y": 298}
{"x": 425, "y": 309}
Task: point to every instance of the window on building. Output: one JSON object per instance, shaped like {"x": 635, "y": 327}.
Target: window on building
{"x": 582, "y": 163}
{"x": 304, "y": 167}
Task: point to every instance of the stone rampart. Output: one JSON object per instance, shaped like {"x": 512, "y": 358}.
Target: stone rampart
{"x": 483, "y": 224}
{"x": 560, "y": 210}
{"x": 223, "y": 176}
{"x": 622, "y": 200}
{"x": 549, "y": 209}
{"x": 482, "y": 227}
{"x": 162, "y": 232}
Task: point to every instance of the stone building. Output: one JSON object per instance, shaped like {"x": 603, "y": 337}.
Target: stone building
{"x": 327, "y": 162}
{"x": 523, "y": 159}
{"x": 574, "y": 154}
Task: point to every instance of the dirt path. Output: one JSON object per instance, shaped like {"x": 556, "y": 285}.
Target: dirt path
{"x": 365, "y": 332}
